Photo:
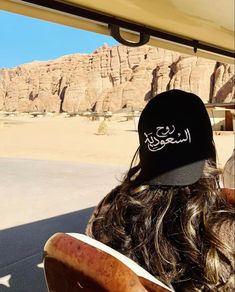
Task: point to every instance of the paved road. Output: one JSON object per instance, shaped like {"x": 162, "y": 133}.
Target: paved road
{"x": 37, "y": 199}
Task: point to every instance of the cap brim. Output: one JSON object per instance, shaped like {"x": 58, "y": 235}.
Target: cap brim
{"x": 181, "y": 176}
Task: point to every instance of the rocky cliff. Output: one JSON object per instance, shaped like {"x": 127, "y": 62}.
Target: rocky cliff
{"x": 111, "y": 79}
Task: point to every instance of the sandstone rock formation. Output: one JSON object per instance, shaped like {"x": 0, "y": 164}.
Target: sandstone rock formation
{"x": 111, "y": 79}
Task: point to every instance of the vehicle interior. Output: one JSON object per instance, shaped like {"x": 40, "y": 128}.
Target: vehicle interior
{"x": 203, "y": 28}
{"x": 188, "y": 27}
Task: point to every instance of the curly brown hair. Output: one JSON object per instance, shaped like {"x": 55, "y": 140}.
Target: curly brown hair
{"x": 182, "y": 234}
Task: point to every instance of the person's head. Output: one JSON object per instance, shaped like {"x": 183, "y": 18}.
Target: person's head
{"x": 175, "y": 138}
{"x": 229, "y": 172}
{"x": 167, "y": 213}
{"x": 175, "y": 185}
{"x": 228, "y": 176}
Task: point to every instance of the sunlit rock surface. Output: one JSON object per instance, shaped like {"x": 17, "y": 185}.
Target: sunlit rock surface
{"x": 111, "y": 78}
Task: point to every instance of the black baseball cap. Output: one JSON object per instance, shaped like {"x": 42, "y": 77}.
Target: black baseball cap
{"x": 176, "y": 138}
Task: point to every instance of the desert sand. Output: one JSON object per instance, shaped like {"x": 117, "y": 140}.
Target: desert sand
{"x": 78, "y": 139}
{"x": 68, "y": 139}
{"x": 51, "y": 166}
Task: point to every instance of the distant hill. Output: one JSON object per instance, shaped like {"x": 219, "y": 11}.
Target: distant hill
{"x": 111, "y": 79}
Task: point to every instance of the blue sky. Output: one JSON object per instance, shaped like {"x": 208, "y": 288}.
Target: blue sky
{"x": 25, "y": 39}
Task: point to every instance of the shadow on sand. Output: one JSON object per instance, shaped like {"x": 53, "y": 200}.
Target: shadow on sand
{"x": 21, "y": 250}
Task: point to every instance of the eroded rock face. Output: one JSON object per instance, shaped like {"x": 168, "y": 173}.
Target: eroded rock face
{"x": 111, "y": 79}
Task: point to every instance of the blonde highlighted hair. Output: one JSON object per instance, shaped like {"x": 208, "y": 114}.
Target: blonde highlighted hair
{"x": 184, "y": 235}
